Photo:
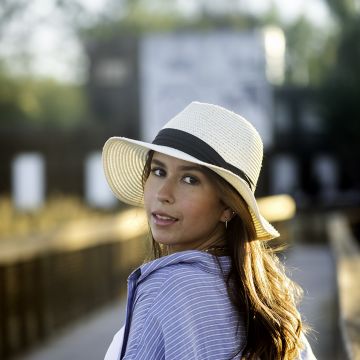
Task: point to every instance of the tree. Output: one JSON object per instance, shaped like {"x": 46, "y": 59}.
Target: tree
{"x": 9, "y": 9}
{"x": 24, "y": 98}
{"x": 41, "y": 102}
{"x": 308, "y": 49}
{"x": 340, "y": 92}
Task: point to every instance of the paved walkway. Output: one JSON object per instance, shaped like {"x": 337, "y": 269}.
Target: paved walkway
{"x": 311, "y": 266}
{"x": 314, "y": 269}
{"x": 87, "y": 339}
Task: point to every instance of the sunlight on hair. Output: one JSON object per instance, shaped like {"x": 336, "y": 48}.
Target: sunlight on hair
{"x": 277, "y": 207}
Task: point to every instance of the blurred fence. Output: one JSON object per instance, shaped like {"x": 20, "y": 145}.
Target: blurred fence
{"x": 50, "y": 280}
{"x": 300, "y": 162}
{"x": 66, "y": 162}
{"x": 346, "y": 249}
{"x": 63, "y": 152}
{"x": 45, "y": 283}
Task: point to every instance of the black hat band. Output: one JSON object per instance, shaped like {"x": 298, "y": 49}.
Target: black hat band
{"x": 192, "y": 145}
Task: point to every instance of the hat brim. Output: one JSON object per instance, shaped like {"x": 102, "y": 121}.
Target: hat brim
{"x": 124, "y": 160}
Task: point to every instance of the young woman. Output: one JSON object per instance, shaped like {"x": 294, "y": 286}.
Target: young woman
{"x": 214, "y": 289}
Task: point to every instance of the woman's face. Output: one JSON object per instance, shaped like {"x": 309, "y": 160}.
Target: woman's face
{"x": 182, "y": 205}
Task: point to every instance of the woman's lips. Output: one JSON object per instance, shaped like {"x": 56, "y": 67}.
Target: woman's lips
{"x": 163, "y": 219}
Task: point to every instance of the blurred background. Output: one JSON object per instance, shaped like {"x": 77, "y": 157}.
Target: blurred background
{"x": 75, "y": 72}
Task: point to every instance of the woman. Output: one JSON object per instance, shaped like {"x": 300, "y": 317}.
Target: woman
{"x": 214, "y": 289}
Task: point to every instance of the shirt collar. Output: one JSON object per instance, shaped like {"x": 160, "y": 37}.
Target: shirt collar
{"x": 199, "y": 259}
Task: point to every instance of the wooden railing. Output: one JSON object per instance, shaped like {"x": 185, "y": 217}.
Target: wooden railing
{"x": 48, "y": 281}
{"x": 347, "y": 254}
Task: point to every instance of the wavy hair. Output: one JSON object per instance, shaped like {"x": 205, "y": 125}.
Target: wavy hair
{"x": 256, "y": 284}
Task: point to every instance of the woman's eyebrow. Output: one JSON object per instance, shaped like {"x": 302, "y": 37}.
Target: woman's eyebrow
{"x": 158, "y": 162}
{"x": 191, "y": 168}
{"x": 182, "y": 168}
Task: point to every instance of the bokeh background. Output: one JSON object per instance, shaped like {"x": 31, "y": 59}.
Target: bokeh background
{"x": 75, "y": 72}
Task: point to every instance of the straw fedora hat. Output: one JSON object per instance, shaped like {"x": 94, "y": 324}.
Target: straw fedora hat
{"x": 204, "y": 134}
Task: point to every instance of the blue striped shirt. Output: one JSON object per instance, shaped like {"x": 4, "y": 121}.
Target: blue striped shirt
{"x": 178, "y": 309}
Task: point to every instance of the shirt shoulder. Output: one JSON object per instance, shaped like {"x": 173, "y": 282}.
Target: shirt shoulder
{"x": 180, "y": 311}
{"x": 168, "y": 282}
{"x": 182, "y": 293}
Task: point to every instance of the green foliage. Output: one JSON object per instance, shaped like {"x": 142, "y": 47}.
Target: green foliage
{"x": 10, "y": 104}
{"x": 341, "y": 91}
{"x": 311, "y": 52}
{"x": 310, "y": 48}
{"x": 304, "y": 44}
{"x": 41, "y": 102}
{"x": 24, "y": 99}
{"x": 161, "y": 16}
{"x": 59, "y": 104}
{"x": 342, "y": 9}
{"x": 9, "y": 9}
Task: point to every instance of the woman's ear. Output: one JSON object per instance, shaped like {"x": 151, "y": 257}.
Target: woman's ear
{"x": 227, "y": 215}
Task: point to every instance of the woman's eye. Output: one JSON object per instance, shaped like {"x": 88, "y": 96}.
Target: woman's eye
{"x": 157, "y": 172}
{"x": 191, "y": 180}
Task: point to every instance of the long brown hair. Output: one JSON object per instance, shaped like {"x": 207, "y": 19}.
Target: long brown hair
{"x": 256, "y": 283}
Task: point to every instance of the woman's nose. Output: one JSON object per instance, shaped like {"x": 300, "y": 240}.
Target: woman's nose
{"x": 166, "y": 192}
